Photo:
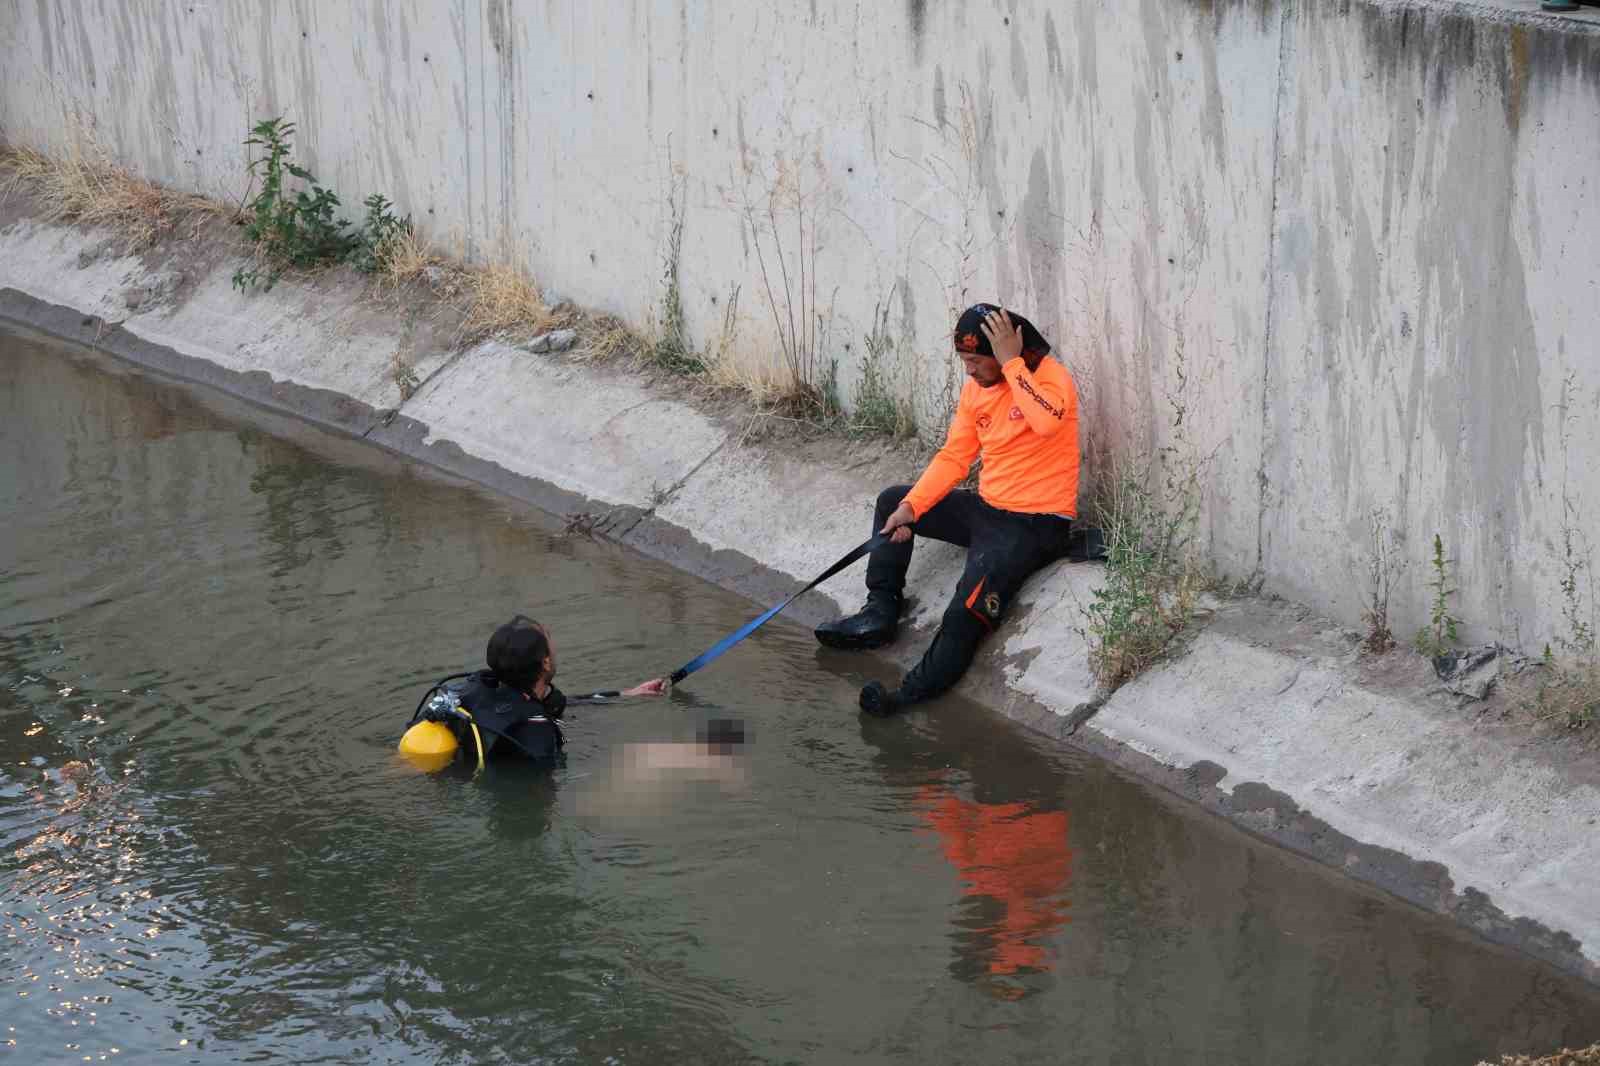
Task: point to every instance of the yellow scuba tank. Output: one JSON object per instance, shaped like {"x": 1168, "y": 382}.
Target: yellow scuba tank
{"x": 428, "y": 746}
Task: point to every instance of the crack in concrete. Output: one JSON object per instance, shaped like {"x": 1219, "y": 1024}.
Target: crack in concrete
{"x": 433, "y": 375}
{"x": 666, "y": 496}
{"x": 634, "y": 407}
{"x": 1262, "y": 481}
{"x": 662, "y": 496}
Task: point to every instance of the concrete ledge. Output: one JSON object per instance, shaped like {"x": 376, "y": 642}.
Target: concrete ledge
{"x": 593, "y": 432}
{"x": 1269, "y": 720}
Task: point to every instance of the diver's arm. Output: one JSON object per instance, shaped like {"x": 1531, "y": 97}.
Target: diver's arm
{"x": 596, "y": 697}
{"x": 654, "y": 687}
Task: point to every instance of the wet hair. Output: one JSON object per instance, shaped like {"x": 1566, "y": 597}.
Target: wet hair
{"x": 517, "y": 651}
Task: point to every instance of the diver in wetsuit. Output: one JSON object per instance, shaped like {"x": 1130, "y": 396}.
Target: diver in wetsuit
{"x": 513, "y": 707}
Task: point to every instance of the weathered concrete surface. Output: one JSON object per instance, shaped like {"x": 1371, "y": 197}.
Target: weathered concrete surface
{"x": 1435, "y": 301}
{"x": 1271, "y": 721}
{"x": 1352, "y": 242}
{"x": 639, "y": 446}
{"x": 1387, "y": 766}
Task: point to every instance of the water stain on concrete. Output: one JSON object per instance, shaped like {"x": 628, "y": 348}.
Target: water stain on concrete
{"x": 45, "y": 11}
{"x": 1019, "y": 62}
{"x": 499, "y": 32}
{"x": 1052, "y": 47}
{"x": 86, "y": 51}
{"x": 917, "y": 20}
{"x": 1040, "y": 239}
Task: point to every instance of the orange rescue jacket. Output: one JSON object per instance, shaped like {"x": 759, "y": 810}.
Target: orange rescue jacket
{"x": 1026, "y": 428}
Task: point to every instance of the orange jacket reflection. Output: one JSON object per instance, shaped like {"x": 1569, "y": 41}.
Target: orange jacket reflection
{"x": 1019, "y": 859}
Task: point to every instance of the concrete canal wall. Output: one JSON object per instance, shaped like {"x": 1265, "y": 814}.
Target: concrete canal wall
{"x": 1271, "y": 719}
{"x": 1354, "y": 242}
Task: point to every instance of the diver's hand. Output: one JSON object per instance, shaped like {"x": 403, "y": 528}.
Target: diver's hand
{"x": 899, "y": 524}
{"x": 655, "y": 687}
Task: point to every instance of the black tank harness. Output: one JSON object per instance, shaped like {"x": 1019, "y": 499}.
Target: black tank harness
{"x": 476, "y": 703}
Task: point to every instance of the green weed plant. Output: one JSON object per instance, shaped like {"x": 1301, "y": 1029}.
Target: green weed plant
{"x": 300, "y": 228}
{"x": 1440, "y": 636}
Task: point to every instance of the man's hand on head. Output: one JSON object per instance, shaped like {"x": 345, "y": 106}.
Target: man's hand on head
{"x": 899, "y": 524}
{"x": 1005, "y": 340}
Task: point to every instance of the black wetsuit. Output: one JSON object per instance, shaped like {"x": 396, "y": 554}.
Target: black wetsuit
{"x": 510, "y": 723}
{"x": 1003, "y": 548}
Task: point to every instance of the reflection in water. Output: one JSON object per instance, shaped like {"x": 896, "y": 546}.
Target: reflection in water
{"x": 995, "y": 805}
{"x": 1011, "y": 858}
{"x": 211, "y": 636}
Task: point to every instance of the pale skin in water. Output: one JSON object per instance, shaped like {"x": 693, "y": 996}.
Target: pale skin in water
{"x": 1006, "y": 342}
{"x": 654, "y": 687}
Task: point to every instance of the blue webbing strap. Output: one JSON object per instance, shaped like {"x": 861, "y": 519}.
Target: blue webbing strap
{"x": 716, "y": 650}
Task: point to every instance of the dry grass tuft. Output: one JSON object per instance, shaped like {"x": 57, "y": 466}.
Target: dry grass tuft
{"x": 503, "y": 299}
{"x": 763, "y": 380}
{"x": 1589, "y": 1056}
{"x": 85, "y": 185}
{"x": 607, "y": 337}
{"x": 1569, "y": 694}
{"x": 404, "y": 257}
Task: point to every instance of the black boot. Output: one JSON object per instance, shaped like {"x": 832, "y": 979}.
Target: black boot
{"x": 872, "y": 627}
{"x": 875, "y": 699}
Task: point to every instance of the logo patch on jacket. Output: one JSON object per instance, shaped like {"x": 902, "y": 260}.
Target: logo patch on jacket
{"x": 984, "y": 421}
{"x": 1015, "y": 415}
{"x": 991, "y": 605}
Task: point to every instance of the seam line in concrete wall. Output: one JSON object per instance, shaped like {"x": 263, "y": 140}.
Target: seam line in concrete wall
{"x": 1266, "y": 340}
{"x": 685, "y": 479}
{"x": 422, "y": 386}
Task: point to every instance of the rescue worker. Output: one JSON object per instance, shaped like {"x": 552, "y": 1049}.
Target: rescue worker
{"x": 517, "y": 697}
{"x": 1018, "y": 412}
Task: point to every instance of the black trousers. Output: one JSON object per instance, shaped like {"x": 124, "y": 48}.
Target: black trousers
{"x": 1003, "y": 549}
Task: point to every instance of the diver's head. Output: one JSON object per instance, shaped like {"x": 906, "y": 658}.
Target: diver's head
{"x": 521, "y": 655}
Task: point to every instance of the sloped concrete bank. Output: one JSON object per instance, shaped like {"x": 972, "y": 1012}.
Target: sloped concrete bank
{"x": 1270, "y": 720}
{"x": 1358, "y": 224}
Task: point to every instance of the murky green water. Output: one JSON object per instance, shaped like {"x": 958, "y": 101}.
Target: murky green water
{"x": 227, "y": 619}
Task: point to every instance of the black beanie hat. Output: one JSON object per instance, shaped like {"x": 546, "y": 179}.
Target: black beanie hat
{"x": 969, "y": 335}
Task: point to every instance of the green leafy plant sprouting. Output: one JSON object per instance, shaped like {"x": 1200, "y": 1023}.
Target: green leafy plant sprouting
{"x": 831, "y": 408}
{"x": 1148, "y": 513}
{"x": 1439, "y": 636}
{"x": 301, "y": 228}
{"x": 1574, "y": 685}
{"x": 1148, "y": 506}
{"x": 291, "y": 230}
{"x": 1570, "y": 689}
{"x": 379, "y": 232}
{"x": 877, "y": 409}
{"x": 671, "y": 350}
{"x": 1384, "y": 563}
